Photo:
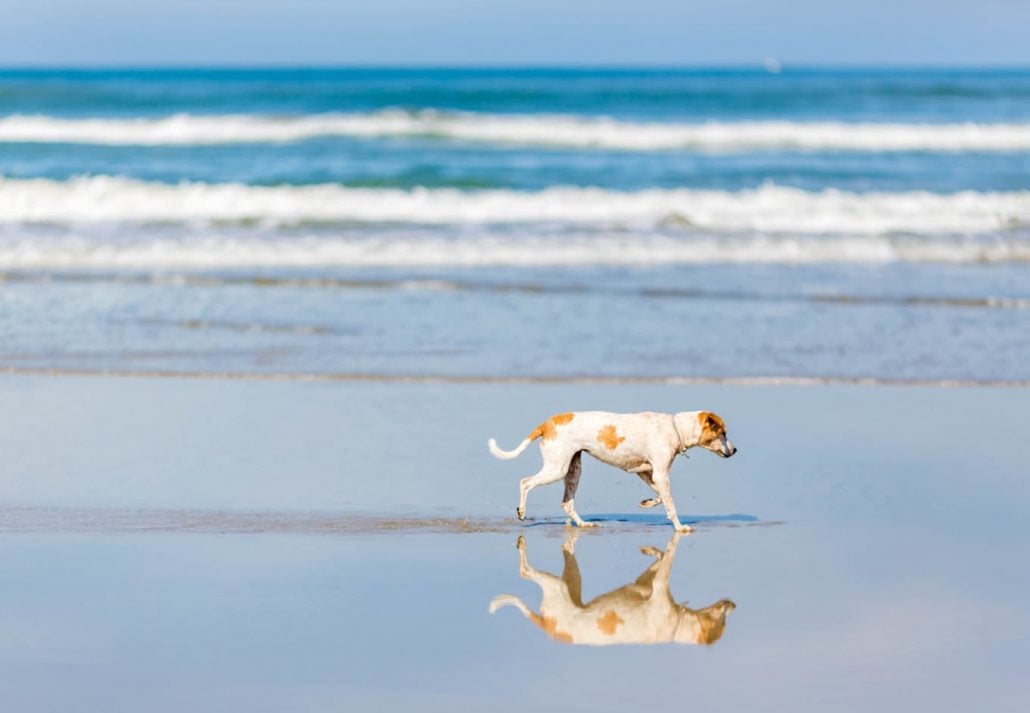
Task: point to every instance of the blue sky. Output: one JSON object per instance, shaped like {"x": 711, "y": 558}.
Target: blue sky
{"x": 468, "y": 32}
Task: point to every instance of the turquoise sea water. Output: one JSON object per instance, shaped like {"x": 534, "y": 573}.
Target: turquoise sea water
{"x": 531, "y": 223}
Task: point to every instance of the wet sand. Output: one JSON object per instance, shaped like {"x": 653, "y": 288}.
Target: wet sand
{"x": 181, "y": 544}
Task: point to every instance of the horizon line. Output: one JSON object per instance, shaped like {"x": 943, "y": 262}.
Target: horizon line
{"x": 757, "y": 65}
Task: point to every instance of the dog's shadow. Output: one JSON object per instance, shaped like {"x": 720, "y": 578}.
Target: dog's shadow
{"x": 646, "y": 519}
{"x": 640, "y": 612}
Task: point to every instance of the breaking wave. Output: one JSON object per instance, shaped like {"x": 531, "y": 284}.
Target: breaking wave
{"x": 526, "y": 129}
{"x": 768, "y": 209}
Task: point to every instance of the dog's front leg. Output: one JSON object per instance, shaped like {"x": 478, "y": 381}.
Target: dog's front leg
{"x": 644, "y": 473}
{"x": 661, "y": 484}
{"x": 664, "y": 567}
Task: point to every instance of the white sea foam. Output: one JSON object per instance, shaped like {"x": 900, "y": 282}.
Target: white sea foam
{"x": 492, "y": 250}
{"x": 768, "y": 209}
{"x": 526, "y": 129}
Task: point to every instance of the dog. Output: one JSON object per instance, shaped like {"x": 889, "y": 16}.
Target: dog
{"x": 641, "y": 612}
{"x": 640, "y": 443}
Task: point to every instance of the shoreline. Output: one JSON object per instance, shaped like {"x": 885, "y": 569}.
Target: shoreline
{"x": 486, "y": 379}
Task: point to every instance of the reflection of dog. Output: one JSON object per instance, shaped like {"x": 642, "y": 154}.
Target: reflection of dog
{"x": 641, "y": 443}
{"x": 643, "y": 612}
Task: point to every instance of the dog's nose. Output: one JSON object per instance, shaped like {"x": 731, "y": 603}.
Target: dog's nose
{"x": 733, "y": 449}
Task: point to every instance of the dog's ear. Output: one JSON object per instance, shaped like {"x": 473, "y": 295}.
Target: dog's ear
{"x": 703, "y": 419}
{"x": 711, "y": 425}
{"x": 712, "y": 421}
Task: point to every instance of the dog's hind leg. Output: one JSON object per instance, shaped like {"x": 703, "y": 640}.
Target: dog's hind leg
{"x": 570, "y": 575}
{"x": 548, "y": 474}
{"x": 568, "y": 502}
{"x": 545, "y": 580}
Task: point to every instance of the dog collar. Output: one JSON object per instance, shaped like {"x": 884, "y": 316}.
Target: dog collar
{"x": 681, "y": 451}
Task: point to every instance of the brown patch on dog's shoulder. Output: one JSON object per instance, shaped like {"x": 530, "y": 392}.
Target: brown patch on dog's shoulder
{"x": 712, "y": 426}
{"x": 609, "y": 622}
{"x": 550, "y": 626}
{"x": 610, "y": 437}
{"x": 549, "y": 428}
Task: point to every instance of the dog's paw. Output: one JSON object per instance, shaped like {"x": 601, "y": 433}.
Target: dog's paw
{"x": 650, "y": 502}
{"x": 651, "y": 552}
{"x": 520, "y": 513}
{"x": 684, "y": 528}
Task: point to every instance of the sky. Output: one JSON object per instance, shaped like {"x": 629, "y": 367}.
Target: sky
{"x": 512, "y": 32}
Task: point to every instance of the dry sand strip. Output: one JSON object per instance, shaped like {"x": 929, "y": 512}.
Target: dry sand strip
{"x": 42, "y": 520}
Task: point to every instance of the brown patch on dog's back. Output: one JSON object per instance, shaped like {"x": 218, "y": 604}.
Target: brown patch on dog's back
{"x": 610, "y": 437}
{"x": 609, "y": 622}
{"x": 561, "y": 419}
{"x": 550, "y": 626}
{"x": 549, "y": 428}
{"x": 712, "y": 426}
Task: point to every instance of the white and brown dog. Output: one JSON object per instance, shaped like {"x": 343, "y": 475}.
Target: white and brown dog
{"x": 641, "y": 612}
{"x": 641, "y": 443}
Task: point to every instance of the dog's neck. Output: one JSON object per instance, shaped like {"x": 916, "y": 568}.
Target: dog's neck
{"x": 688, "y": 428}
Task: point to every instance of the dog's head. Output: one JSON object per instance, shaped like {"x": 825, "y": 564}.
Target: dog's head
{"x": 704, "y": 626}
{"x": 712, "y": 434}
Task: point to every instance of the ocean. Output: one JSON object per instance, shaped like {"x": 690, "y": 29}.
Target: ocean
{"x": 517, "y": 224}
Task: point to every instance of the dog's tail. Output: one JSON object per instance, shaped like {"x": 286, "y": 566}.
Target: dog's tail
{"x": 507, "y": 455}
{"x": 510, "y": 600}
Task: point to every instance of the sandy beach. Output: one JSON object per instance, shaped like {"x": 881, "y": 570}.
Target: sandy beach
{"x": 218, "y": 545}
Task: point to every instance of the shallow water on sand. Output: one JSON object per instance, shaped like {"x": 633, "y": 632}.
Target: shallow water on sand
{"x": 171, "y": 545}
{"x": 891, "y": 321}
{"x": 857, "y": 619}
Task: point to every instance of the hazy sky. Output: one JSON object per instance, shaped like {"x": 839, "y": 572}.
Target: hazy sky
{"x": 79, "y": 32}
